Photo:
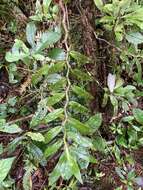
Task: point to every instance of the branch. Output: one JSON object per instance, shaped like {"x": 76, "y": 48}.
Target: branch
{"x": 21, "y": 119}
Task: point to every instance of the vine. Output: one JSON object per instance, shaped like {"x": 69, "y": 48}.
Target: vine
{"x": 69, "y": 119}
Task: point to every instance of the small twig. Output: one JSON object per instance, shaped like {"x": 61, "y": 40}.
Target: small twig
{"x": 107, "y": 42}
{"x": 24, "y": 69}
{"x": 119, "y": 116}
{"x": 21, "y": 119}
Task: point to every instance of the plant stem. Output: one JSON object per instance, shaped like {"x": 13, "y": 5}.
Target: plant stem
{"x": 65, "y": 27}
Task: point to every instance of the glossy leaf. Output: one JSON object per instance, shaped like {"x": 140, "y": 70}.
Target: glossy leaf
{"x": 81, "y": 92}
{"x": 53, "y": 115}
{"x": 95, "y": 121}
{"x": 135, "y": 38}
{"x": 39, "y": 73}
{"x": 48, "y": 38}
{"x": 119, "y": 83}
{"x": 55, "y": 98}
{"x": 37, "y": 153}
{"x": 54, "y": 176}
{"x": 82, "y": 128}
{"x": 19, "y": 52}
{"x": 74, "y": 166}
{"x": 84, "y": 141}
{"x": 99, "y": 144}
{"x": 62, "y": 169}
{"x": 52, "y": 133}
{"x": 46, "y": 4}
{"x": 40, "y": 114}
{"x": 99, "y": 4}
{"x": 57, "y": 54}
{"x": 36, "y": 136}
{"x": 27, "y": 180}
{"x": 53, "y": 148}
{"x": 30, "y": 33}
{"x": 80, "y": 58}
{"x": 6, "y": 128}
{"x": 114, "y": 102}
{"x": 5, "y": 166}
{"x": 138, "y": 114}
{"x": 77, "y": 107}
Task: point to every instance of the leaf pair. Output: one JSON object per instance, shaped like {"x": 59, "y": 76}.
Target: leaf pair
{"x": 66, "y": 167}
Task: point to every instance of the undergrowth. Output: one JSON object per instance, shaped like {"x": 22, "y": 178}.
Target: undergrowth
{"x": 71, "y": 95}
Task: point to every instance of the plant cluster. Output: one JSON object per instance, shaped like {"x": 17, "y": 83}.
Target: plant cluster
{"x": 48, "y": 116}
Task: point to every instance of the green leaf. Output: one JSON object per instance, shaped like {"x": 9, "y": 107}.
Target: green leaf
{"x": 27, "y": 180}
{"x": 83, "y": 154}
{"x": 81, "y": 75}
{"x": 81, "y": 92}
{"x": 53, "y": 115}
{"x": 114, "y": 102}
{"x": 38, "y": 6}
{"x": 80, "y": 58}
{"x": 55, "y": 98}
{"x": 30, "y": 33}
{"x": 82, "y": 128}
{"x": 57, "y": 54}
{"x": 37, "y": 153}
{"x": 5, "y": 166}
{"x": 52, "y": 149}
{"x": 1, "y": 148}
{"x": 95, "y": 121}
{"x": 52, "y": 133}
{"x": 62, "y": 169}
{"x": 12, "y": 101}
{"x": 119, "y": 83}
{"x": 54, "y": 176}
{"x": 78, "y": 108}
{"x": 42, "y": 71}
{"x": 73, "y": 166}
{"x": 99, "y": 144}
{"x": 56, "y": 67}
{"x": 134, "y": 38}
{"x": 138, "y": 114}
{"x": 99, "y": 4}
{"x": 37, "y": 17}
{"x": 19, "y": 52}
{"x": 14, "y": 143}
{"x": 6, "y": 128}
{"x": 128, "y": 119}
{"x": 105, "y": 99}
{"x": 124, "y": 4}
{"x": 40, "y": 114}
{"x": 48, "y": 38}
{"x": 36, "y": 136}
{"x": 54, "y": 78}
{"x": 12, "y": 58}
{"x": 38, "y": 57}
{"x": 82, "y": 141}
{"x": 46, "y": 4}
